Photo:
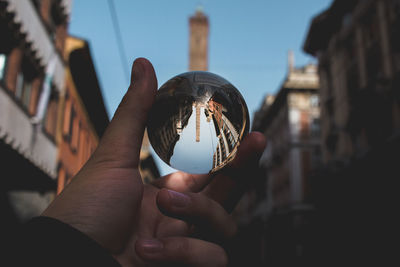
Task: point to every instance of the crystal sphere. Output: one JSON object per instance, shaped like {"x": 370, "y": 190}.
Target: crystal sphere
{"x": 197, "y": 122}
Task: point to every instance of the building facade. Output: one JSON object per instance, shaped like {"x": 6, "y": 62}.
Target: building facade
{"x": 31, "y": 82}
{"x": 275, "y": 214}
{"x": 357, "y": 44}
{"x": 291, "y": 124}
{"x": 358, "y": 50}
{"x": 52, "y": 112}
{"x": 83, "y": 116}
{"x": 228, "y": 136}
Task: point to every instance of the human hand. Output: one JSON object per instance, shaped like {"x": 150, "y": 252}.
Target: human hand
{"x": 145, "y": 224}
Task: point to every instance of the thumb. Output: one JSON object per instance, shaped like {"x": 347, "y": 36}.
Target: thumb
{"x": 122, "y": 140}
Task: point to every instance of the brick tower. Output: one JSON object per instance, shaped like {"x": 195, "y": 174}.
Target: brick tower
{"x": 198, "y": 53}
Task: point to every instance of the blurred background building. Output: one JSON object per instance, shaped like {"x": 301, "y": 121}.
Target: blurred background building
{"x": 278, "y": 207}
{"x": 32, "y": 79}
{"x": 327, "y": 194}
{"x": 357, "y": 44}
{"x": 358, "y": 49}
{"x": 83, "y": 116}
{"x": 291, "y": 124}
{"x": 52, "y": 112}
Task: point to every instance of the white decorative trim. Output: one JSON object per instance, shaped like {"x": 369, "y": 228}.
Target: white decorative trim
{"x": 31, "y": 26}
{"x": 17, "y": 131}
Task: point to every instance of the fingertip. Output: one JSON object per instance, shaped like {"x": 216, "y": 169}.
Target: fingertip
{"x": 251, "y": 148}
{"x": 172, "y": 201}
{"x": 257, "y": 141}
{"x": 143, "y": 70}
{"x": 148, "y": 248}
{"x": 181, "y": 251}
{"x": 137, "y": 70}
{"x": 139, "y": 67}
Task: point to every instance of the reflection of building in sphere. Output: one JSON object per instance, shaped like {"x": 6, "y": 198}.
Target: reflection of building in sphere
{"x": 226, "y": 133}
{"x": 169, "y": 125}
{"x": 202, "y": 102}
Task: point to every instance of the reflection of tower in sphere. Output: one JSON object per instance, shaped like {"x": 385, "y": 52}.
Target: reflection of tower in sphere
{"x": 197, "y": 122}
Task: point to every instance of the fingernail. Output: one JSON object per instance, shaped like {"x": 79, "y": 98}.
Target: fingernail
{"x": 150, "y": 245}
{"x": 137, "y": 71}
{"x": 178, "y": 199}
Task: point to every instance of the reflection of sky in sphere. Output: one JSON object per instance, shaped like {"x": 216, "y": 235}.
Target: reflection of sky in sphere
{"x": 192, "y": 156}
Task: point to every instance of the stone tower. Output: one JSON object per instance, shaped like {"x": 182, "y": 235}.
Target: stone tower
{"x": 198, "y": 51}
{"x": 198, "y": 46}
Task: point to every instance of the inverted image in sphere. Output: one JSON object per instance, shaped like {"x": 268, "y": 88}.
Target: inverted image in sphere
{"x": 197, "y": 122}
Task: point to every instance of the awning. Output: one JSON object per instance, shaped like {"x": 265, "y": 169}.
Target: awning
{"x": 35, "y": 34}
{"x": 17, "y": 131}
{"x": 67, "y": 7}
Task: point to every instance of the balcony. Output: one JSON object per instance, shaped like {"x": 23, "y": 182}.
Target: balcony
{"x": 17, "y": 131}
{"x": 24, "y": 15}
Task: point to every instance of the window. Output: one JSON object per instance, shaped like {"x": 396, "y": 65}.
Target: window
{"x": 75, "y": 134}
{"x": 35, "y": 95}
{"x": 51, "y": 114}
{"x": 19, "y": 85}
{"x": 61, "y": 178}
{"x": 315, "y": 127}
{"x": 304, "y": 125}
{"x": 23, "y": 89}
{"x": 3, "y": 60}
{"x": 314, "y": 101}
{"x": 82, "y": 145}
{"x": 26, "y": 93}
{"x": 24, "y": 82}
{"x": 71, "y": 122}
{"x": 67, "y": 115}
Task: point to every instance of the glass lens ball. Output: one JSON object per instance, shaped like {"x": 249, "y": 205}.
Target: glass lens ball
{"x": 197, "y": 122}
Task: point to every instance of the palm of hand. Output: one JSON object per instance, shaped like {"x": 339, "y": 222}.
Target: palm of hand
{"x": 151, "y": 223}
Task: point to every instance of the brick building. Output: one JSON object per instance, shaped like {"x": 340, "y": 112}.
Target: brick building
{"x": 52, "y": 112}
{"x": 198, "y": 41}
{"x": 83, "y": 118}
{"x": 31, "y": 82}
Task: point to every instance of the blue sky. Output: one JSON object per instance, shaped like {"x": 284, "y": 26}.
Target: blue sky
{"x": 248, "y": 43}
